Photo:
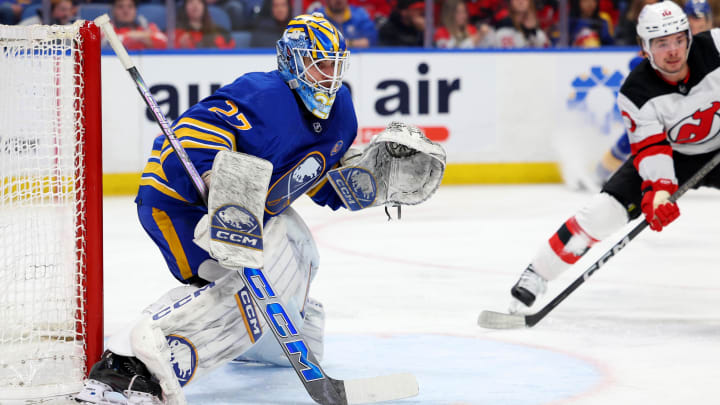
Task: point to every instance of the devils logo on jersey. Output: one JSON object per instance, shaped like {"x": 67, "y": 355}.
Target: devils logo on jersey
{"x": 629, "y": 122}
{"x": 698, "y": 127}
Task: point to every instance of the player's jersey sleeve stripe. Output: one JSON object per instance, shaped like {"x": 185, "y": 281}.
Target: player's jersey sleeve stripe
{"x": 648, "y": 141}
{"x": 652, "y": 151}
{"x": 204, "y": 134}
{"x": 190, "y": 144}
{"x": 187, "y": 138}
{"x": 151, "y": 180}
{"x": 220, "y": 135}
{"x": 163, "y": 222}
{"x": 155, "y": 168}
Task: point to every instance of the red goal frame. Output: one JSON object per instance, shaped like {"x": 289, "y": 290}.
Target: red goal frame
{"x": 89, "y": 195}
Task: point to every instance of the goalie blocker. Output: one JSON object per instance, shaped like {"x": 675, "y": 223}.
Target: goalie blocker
{"x": 400, "y": 166}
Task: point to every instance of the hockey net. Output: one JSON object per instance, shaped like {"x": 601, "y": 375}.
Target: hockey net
{"x": 50, "y": 210}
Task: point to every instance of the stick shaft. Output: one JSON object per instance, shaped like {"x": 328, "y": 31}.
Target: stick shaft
{"x": 104, "y": 22}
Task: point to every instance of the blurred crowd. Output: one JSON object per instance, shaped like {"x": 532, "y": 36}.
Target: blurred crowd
{"x": 495, "y": 24}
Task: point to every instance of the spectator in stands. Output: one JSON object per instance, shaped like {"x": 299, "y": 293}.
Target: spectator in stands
{"x": 405, "y": 26}
{"x": 520, "y": 28}
{"x": 62, "y": 12}
{"x": 354, "y": 22}
{"x": 588, "y": 27}
{"x": 626, "y": 34}
{"x": 486, "y": 11}
{"x": 699, "y": 15}
{"x": 239, "y": 11}
{"x": 456, "y": 31}
{"x": 196, "y": 29}
{"x": 134, "y": 30}
{"x": 379, "y": 10}
{"x": 11, "y": 10}
{"x": 548, "y": 18}
{"x": 274, "y": 17}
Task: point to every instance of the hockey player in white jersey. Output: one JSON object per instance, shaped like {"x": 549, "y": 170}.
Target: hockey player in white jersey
{"x": 670, "y": 105}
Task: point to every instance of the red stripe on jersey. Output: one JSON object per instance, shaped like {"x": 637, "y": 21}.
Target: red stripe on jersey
{"x": 636, "y": 147}
{"x": 651, "y": 151}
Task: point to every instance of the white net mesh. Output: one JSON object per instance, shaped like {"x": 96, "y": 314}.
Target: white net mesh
{"x": 41, "y": 251}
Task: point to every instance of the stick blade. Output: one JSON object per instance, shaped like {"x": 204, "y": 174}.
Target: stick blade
{"x": 499, "y": 320}
{"x": 382, "y": 388}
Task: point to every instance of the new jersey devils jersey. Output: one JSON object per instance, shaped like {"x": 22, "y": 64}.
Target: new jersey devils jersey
{"x": 662, "y": 116}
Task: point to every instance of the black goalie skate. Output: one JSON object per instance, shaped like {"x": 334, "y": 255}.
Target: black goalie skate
{"x": 120, "y": 380}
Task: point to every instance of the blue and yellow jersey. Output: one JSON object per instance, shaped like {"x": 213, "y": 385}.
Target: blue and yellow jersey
{"x": 260, "y": 115}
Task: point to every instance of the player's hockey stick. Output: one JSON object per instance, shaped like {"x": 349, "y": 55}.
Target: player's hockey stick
{"x": 322, "y": 388}
{"x": 499, "y": 320}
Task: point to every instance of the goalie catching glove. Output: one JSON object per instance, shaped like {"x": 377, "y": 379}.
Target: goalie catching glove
{"x": 400, "y": 166}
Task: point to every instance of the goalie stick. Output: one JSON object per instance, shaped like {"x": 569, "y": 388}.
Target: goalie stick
{"x": 321, "y": 388}
{"x": 499, "y": 320}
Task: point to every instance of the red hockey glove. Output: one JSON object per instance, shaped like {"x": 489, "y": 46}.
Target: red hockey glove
{"x": 659, "y": 212}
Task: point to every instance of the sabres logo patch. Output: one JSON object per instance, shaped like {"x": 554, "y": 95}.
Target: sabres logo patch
{"x": 295, "y": 182}
{"x": 183, "y": 357}
{"x": 235, "y": 225}
{"x": 355, "y": 185}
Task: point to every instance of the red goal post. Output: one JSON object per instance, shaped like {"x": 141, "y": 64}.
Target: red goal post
{"x": 51, "y": 308}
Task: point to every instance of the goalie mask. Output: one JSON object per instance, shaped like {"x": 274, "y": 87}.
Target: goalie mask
{"x": 659, "y": 20}
{"x": 312, "y": 59}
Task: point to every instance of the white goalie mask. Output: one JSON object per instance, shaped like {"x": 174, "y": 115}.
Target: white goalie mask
{"x": 659, "y": 20}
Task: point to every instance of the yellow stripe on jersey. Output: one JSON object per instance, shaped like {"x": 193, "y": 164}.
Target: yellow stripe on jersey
{"x": 228, "y": 138}
{"x": 200, "y": 136}
{"x": 163, "y": 188}
{"x": 187, "y": 144}
{"x": 162, "y": 220}
{"x": 156, "y": 169}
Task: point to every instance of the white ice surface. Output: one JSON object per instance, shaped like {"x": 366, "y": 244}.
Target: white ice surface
{"x": 404, "y": 297}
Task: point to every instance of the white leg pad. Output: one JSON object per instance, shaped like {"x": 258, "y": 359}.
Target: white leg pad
{"x": 291, "y": 260}
{"x": 150, "y": 346}
{"x": 190, "y": 331}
